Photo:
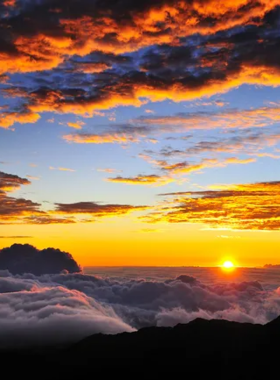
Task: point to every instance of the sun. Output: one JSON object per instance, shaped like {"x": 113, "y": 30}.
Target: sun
{"x": 228, "y": 265}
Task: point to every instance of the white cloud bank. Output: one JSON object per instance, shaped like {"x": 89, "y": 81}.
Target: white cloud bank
{"x": 68, "y": 307}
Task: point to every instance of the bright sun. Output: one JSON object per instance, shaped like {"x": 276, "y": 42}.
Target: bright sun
{"x": 228, "y": 265}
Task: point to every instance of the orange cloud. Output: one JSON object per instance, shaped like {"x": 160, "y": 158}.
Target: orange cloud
{"x": 100, "y": 29}
{"x": 244, "y": 207}
{"x": 185, "y": 167}
{"x": 151, "y": 179}
{"x": 11, "y": 182}
{"x": 91, "y": 67}
{"x": 23, "y": 211}
{"x": 87, "y": 138}
{"x": 10, "y": 3}
{"x": 9, "y": 119}
{"x": 76, "y": 125}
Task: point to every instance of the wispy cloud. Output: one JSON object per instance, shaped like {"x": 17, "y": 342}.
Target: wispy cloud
{"x": 62, "y": 169}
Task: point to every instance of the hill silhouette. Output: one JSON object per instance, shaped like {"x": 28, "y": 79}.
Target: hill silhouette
{"x": 201, "y": 349}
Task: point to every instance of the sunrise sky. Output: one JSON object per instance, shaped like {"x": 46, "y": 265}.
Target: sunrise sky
{"x": 141, "y": 135}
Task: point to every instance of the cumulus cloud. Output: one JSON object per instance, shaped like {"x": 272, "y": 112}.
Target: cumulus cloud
{"x": 24, "y": 258}
{"x": 34, "y": 314}
{"x": 66, "y": 307}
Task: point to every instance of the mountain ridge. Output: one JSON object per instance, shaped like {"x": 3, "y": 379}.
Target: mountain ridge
{"x": 215, "y": 348}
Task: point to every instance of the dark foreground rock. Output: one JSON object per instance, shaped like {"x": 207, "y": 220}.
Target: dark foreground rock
{"x": 199, "y": 350}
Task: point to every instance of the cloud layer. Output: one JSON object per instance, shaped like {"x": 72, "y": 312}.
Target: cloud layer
{"x": 67, "y": 307}
{"x": 95, "y": 56}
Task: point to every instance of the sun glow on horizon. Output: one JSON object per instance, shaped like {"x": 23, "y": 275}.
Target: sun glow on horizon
{"x": 228, "y": 265}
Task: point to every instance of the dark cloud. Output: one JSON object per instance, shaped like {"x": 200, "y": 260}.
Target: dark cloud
{"x": 97, "y": 209}
{"x": 16, "y": 237}
{"x": 100, "y": 55}
{"x": 24, "y": 258}
{"x": 10, "y": 182}
{"x": 13, "y": 209}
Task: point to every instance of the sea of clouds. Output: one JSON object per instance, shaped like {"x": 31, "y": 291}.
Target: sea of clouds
{"x": 67, "y": 307}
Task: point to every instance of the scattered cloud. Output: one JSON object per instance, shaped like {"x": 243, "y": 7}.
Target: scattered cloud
{"x": 62, "y": 169}
{"x": 97, "y": 209}
{"x": 151, "y": 179}
{"x": 87, "y": 138}
{"x": 11, "y": 182}
{"x": 108, "y": 170}
{"x": 76, "y": 125}
{"x": 238, "y": 207}
{"x": 34, "y": 178}
{"x": 24, "y": 211}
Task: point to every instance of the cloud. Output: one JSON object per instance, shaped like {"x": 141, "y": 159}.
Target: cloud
{"x": 97, "y": 209}
{"x": 151, "y": 179}
{"x": 82, "y": 62}
{"x": 11, "y": 182}
{"x": 14, "y": 209}
{"x": 91, "y": 67}
{"x": 8, "y": 119}
{"x": 16, "y": 237}
{"x": 241, "y": 121}
{"x": 83, "y": 29}
{"x": 24, "y": 258}
{"x": 108, "y": 170}
{"x": 10, "y": 3}
{"x": 23, "y": 211}
{"x": 58, "y": 315}
{"x": 242, "y": 207}
{"x": 68, "y": 307}
{"x": 227, "y": 119}
{"x": 62, "y": 169}
{"x": 34, "y": 178}
{"x": 76, "y": 125}
{"x": 87, "y": 138}
{"x": 184, "y": 167}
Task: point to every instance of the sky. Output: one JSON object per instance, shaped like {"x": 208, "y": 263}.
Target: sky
{"x": 141, "y": 133}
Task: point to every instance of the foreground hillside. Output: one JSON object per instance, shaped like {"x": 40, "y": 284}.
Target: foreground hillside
{"x": 201, "y": 349}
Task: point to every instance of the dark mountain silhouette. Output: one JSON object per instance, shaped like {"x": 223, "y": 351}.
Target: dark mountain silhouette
{"x": 215, "y": 349}
{"x": 24, "y": 258}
